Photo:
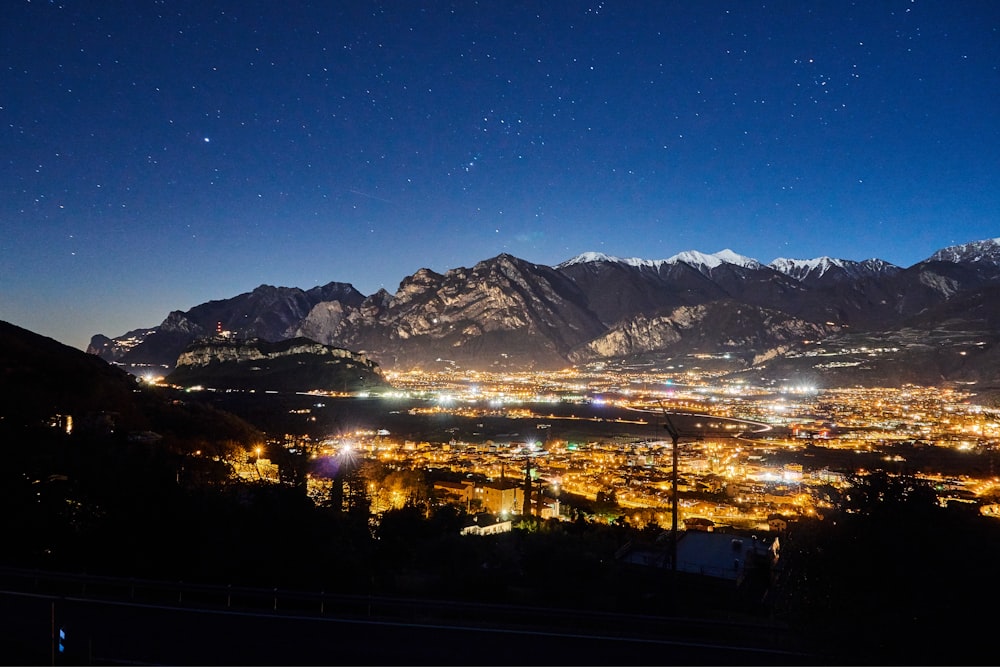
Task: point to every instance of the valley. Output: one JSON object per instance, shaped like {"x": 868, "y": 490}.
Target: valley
{"x": 746, "y": 453}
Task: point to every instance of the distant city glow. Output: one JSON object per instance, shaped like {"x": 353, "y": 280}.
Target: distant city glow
{"x": 748, "y": 456}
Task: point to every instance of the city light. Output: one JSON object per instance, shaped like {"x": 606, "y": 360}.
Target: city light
{"x": 758, "y": 450}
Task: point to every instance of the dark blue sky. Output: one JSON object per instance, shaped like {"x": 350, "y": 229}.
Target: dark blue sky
{"x": 156, "y": 155}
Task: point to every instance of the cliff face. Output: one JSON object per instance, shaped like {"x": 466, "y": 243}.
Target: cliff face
{"x": 212, "y": 351}
{"x": 723, "y": 326}
{"x": 501, "y": 311}
{"x": 298, "y": 364}
{"x": 322, "y": 324}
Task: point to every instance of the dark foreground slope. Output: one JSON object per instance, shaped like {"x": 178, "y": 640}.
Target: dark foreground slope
{"x": 156, "y": 539}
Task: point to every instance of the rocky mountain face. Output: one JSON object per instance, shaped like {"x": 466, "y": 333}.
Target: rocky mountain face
{"x": 501, "y": 312}
{"x": 506, "y": 313}
{"x": 724, "y": 326}
{"x": 296, "y": 364}
{"x": 982, "y": 256}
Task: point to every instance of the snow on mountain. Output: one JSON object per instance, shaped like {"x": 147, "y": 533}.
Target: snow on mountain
{"x": 987, "y": 251}
{"x": 705, "y": 263}
{"x": 727, "y": 256}
{"x": 593, "y": 257}
{"x": 801, "y": 269}
{"x": 589, "y": 257}
{"x": 692, "y": 258}
{"x": 879, "y": 266}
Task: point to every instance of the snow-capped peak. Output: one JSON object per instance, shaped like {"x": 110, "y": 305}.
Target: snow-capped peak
{"x": 589, "y": 257}
{"x": 593, "y": 257}
{"x": 800, "y": 269}
{"x": 977, "y": 251}
{"x": 727, "y": 256}
{"x": 690, "y": 257}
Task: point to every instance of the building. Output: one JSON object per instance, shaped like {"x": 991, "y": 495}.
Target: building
{"x": 727, "y": 556}
{"x": 724, "y": 555}
{"x": 699, "y": 523}
{"x": 503, "y": 498}
{"x": 484, "y": 523}
{"x": 777, "y": 523}
{"x": 456, "y": 492}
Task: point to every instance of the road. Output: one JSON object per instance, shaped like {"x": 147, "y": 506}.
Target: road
{"x": 186, "y": 626}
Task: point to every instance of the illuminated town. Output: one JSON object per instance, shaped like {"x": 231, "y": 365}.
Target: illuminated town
{"x": 748, "y": 457}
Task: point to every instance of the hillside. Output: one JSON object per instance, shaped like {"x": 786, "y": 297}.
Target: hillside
{"x": 297, "y": 364}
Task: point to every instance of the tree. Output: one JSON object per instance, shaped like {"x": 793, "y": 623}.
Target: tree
{"x": 881, "y": 492}
{"x": 893, "y": 571}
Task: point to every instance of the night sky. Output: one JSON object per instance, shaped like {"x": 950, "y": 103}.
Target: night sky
{"x": 157, "y": 155}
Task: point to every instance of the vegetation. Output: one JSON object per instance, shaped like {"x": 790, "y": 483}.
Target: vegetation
{"x": 892, "y": 577}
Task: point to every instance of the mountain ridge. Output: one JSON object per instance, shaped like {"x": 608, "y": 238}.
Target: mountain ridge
{"x": 292, "y": 364}
{"x": 507, "y": 313}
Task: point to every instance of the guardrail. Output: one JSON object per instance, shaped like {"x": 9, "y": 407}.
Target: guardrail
{"x": 764, "y": 635}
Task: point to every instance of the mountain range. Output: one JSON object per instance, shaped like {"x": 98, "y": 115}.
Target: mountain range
{"x": 825, "y": 319}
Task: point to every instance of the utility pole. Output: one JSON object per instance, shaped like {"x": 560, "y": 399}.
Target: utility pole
{"x": 674, "y": 438}
{"x": 526, "y": 505}
{"x": 538, "y": 502}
